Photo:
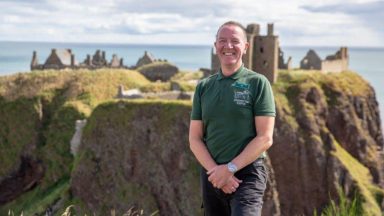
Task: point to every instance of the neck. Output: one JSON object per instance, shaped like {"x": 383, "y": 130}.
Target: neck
{"x": 228, "y": 70}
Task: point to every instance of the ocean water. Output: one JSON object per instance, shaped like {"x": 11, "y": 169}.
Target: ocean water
{"x": 16, "y": 57}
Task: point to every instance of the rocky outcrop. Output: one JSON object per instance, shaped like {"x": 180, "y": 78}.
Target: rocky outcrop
{"x": 162, "y": 71}
{"x": 327, "y": 136}
{"x": 37, "y": 116}
{"x": 326, "y": 129}
{"x": 24, "y": 179}
{"x": 137, "y": 154}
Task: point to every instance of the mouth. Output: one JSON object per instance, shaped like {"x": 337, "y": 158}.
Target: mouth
{"x": 229, "y": 53}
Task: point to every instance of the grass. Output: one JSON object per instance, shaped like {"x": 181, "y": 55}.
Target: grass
{"x": 38, "y": 200}
{"x": 363, "y": 179}
{"x": 18, "y": 131}
{"x": 70, "y": 211}
{"x": 156, "y": 87}
{"x": 187, "y": 76}
{"x": 88, "y": 86}
{"x": 344, "y": 207}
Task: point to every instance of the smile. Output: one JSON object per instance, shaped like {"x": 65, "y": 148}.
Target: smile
{"x": 228, "y": 53}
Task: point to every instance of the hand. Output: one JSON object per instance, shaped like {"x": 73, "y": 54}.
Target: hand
{"x": 219, "y": 175}
{"x": 231, "y": 186}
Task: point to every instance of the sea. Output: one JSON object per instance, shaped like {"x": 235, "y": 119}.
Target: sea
{"x": 16, "y": 57}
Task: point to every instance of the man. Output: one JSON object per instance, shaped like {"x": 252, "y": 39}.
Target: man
{"x": 231, "y": 127}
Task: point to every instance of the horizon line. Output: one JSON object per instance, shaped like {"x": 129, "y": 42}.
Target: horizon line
{"x": 179, "y": 44}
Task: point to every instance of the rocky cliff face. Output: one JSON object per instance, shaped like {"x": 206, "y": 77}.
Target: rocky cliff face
{"x": 136, "y": 153}
{"x": 327, "y": 135}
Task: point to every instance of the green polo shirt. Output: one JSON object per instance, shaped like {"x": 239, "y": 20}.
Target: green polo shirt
{"x": 227, "y": 106}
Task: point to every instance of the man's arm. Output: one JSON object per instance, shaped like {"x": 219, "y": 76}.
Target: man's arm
{"x": 263, "y": 140}
{"x": 197, "y": 145}
{"x": 202, "y": 155}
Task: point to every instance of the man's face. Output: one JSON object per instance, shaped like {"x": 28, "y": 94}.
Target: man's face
{"x": 230, "y": 46}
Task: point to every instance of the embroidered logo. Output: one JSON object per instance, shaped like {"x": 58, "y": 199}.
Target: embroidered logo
{"x": 241, "y": 97}
{"x": 241, "y": 94}
{"x": 240, "y": 85}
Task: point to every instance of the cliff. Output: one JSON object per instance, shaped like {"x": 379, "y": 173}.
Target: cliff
{"x": 136, "y": 153}
{"x": 327, "y": 135}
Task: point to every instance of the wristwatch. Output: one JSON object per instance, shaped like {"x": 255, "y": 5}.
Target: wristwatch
{"x": 232, "y": 167}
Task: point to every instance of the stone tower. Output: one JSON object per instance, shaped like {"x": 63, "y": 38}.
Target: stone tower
{"x": 35, "y": 61}
{"x": 262, "y": 55}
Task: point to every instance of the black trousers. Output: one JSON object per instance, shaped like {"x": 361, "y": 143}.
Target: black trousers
{"x": 247, "y": 200}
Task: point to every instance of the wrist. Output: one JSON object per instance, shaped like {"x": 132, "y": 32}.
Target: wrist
{"x": 232, "y": 168}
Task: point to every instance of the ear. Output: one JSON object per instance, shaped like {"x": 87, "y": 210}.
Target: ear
{"x": 246, "y": 46}
{"x": 214, "y": 45}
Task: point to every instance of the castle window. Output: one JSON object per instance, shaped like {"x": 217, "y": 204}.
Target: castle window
{"x": 262, "y": 49}
{"x": 265, "y": 64}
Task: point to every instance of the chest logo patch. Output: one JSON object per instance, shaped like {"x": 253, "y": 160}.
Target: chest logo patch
{"x": 241, "y": 94}
{"x": 241, "y": 97}
{"x": 240, "y": 85}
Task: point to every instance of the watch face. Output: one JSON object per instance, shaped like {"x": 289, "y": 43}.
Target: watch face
{"x": 232, "y": 167}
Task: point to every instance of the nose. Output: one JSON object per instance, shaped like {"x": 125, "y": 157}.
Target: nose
{"x": 229, "y": 44}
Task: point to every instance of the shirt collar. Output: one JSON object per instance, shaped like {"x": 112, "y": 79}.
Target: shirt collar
{"x": 234, "y": 76}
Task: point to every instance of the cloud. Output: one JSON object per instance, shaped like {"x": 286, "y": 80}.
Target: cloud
{"x": 369, "y": 14}
{"x": 374, "y": 7}
{"x": 194, "y": 9}
{"x": 135, "y": 21}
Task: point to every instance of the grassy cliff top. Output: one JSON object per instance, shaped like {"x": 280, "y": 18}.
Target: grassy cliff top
{"x": 85, "y": 85}
{"x": 347, "y": 82}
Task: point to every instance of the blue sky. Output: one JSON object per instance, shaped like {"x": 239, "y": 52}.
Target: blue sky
{"x": 297, "y": 22}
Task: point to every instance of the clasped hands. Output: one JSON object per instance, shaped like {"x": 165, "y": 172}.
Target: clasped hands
{"x": 222, "y": 178}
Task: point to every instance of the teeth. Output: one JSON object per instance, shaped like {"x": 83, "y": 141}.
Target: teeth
{"x": 228, "y": 54}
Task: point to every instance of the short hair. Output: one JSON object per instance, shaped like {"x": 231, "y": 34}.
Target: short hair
{"x": 234, "y": 23}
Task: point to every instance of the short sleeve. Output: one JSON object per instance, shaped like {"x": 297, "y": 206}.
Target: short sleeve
{"x": 264, "y": 103}
{"x": 196, "y": 113}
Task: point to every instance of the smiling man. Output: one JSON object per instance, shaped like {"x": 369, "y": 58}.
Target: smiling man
{"x": 231, "y": 127}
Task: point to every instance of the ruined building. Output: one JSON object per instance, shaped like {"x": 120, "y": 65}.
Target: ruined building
{"x": 262, "y": 55}
{"x": 146, "y": 59}
{"x": 62, "y": 59}
{"x": 332, "y": 63}
{"x": 282, "y": 64}
{"x": 58, "y": 59}
{"x": 337, "y": 62}
{"x": 311, "y": 61}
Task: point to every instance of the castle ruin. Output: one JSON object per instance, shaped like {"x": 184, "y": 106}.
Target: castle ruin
{"x": 332, "y": 63}
{"x": 147, "y": 58}
{"x": 282, "y": 64}
{"x": 63, "y": 59}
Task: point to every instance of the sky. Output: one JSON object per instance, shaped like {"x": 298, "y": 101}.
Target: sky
{"x": 356, "y": 23}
